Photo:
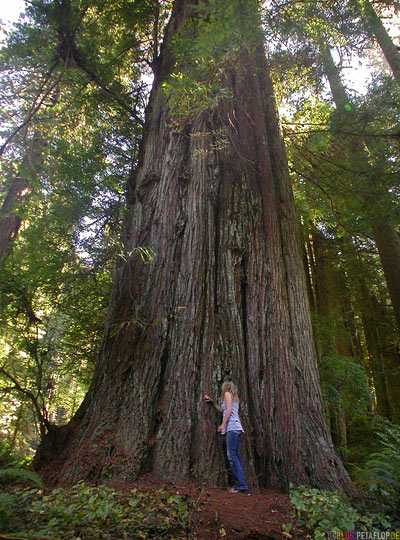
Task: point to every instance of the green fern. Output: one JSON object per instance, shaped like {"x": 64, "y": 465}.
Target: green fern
{"x": 381, "y": 473}
{"x": 14, "y": 474}
{"x": 7, "y": 503}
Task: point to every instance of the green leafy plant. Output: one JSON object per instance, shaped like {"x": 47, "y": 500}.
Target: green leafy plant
{"x": 323, "y": 512}
{"x": 97, "y": 512}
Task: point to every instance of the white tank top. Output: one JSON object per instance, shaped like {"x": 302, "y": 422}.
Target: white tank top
{"x": 233, "y": 423}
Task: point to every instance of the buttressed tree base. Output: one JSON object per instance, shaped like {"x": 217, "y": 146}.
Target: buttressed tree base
{"x": 225, "y": 295}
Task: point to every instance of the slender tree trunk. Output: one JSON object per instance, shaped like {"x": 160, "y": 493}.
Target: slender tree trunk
{"x": 386, "y": 238}
{"x": 388, "y": 244}
{"x": 332, "y": 73}
{"x": 10, "y": 217}
{"x": 384, "y": 360}
{"x": 378, "y": 30}
{"x": 225, "y": 297}
{"x": 12, "y": 210}
{"x": 332, "y": 332}
{"x": 381, "y": 359}
{"x": 331, "y": 297}
{"x": 338, "y": 424}
{"x": 307, "y": 264}
{"x": 321, "y": 259}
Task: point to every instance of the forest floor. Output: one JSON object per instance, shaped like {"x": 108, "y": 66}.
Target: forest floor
{"x": 218, "y": 514}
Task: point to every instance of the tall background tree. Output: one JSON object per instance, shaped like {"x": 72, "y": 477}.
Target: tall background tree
{"x": 344, "y": 161}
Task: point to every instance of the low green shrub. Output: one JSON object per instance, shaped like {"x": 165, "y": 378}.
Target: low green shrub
{"x": 322, "y": 512}
{"x": 88, "y": 513}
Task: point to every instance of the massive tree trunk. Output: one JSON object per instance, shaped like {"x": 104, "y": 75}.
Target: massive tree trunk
{"x": 225, "y": 297}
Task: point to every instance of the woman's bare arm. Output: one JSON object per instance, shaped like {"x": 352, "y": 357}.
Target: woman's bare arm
{"x": 228, "y": 406}
{"x": 207, "y": 399}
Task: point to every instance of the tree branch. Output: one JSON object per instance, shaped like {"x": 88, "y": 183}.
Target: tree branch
{"x": 34, "y": 109}
{"x": 44, "y": 423}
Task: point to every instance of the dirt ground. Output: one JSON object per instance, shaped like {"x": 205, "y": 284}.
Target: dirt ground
{"x": 241, "y": 516}
{"x": 219, "y": 514}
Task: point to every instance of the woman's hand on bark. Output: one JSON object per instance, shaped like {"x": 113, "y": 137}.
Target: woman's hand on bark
{"x": 207, "y": 399}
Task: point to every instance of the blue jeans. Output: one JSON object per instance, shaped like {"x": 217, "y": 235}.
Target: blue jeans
{"x": 235, "y": 461}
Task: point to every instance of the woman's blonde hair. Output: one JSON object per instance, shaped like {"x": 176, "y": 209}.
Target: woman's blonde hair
{"x": 229, "y": 386}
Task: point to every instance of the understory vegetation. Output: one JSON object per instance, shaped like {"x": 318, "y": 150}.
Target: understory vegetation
{"x": 322, "y": 512}
{"x": 93, "y": 512}
{"x": 376, "y": 505}
{"x": 30, "y": 511}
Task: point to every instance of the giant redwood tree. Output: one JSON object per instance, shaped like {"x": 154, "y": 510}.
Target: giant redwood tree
{"x": 225, "y": 295}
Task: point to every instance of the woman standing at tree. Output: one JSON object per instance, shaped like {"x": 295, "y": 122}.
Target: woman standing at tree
{"x": 232, "y": 427}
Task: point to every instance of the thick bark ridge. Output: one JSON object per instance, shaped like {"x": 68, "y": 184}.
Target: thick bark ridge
{"x": 225, "y": 297}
